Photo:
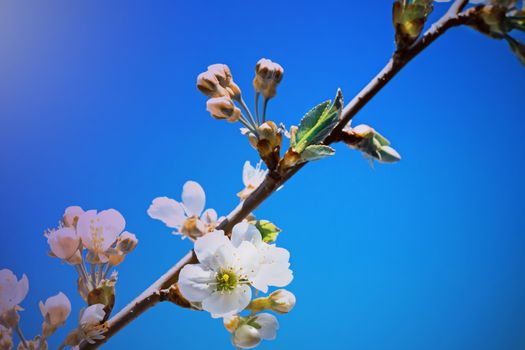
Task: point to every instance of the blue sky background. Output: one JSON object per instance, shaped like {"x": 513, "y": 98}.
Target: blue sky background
{"x": 98, "y": 108}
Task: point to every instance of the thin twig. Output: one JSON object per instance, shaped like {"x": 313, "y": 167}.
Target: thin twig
{"x": 151, "y": 296}
{"x": 23, "y": 340}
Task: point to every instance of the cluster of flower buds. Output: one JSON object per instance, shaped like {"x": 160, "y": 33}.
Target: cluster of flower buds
{"x": 409, "y": 18}
{"x": 217, "y": 83}
{"x": 94, "y": 243}
{"x": 187, "y": 217}
{"x": 372, "y": 144}
{"x": 229, "y": 270}
{"x": 55, "y": 311}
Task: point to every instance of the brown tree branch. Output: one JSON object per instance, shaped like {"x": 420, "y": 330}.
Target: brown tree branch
{"x": 158, "y": 290}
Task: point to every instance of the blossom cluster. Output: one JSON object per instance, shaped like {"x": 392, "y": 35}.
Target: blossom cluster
{"x": 232, "y": 268}
{"x": 55, "y": 311}
{"x": 94, "y": 243}
{"x": 230, "y": 271}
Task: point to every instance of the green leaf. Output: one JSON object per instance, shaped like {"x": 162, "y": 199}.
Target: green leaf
{"x": 316, "y": 126}
{"x": 268, "y": 230}
{"x": 315, "y": 152}
{"x": 310, "y": 119}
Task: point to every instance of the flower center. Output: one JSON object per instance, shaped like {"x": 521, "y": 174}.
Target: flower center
{"x": 226, "y": 280}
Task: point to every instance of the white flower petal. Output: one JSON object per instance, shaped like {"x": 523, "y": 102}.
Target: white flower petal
{"x": 222, "y": 304}
{"x": 272, "y": 254}
{"x": 84, "y": 230}
{"x": 244, "y": 231}
{"x": 92, "y": 315}
{"x": 195, "y": 282}
{"x": 269, "y": 326}
{"x": 167, "y": 210}
{"x": 247, "y": 172}
{"x": 113, "y": 224}
{"x": 277, "y": 275}
{"x": 207, "y": 245}
{"x": 247, "y": 259}
{"x": 209, "y": 216}
{"x": 193, "y": 198}
{"x": 22, "y": 288}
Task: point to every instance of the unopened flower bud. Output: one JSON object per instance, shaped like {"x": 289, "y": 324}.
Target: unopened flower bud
{"x": 55, "y": 310}
{"x": 217, "y": 81}
{"x": 63, "y": 242}
{"x": 223, "y": 108}
{"x": 234, "y": 91}
{"x": 268, "y": 75}
{"x": 222, "y": 73}
{"x": 282, "y": 301}
{"x": 71, "y": 216}
{"x": 209, "y": 85}
{"x": 126, "y": 242}
{"x": 364, "y": 131}
{"x": 246, "y": 337}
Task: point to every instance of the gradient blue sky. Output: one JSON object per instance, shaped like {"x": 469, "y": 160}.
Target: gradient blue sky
{"x": 98, "y": 108}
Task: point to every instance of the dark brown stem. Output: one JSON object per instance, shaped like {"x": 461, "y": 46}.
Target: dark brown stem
{"x": 157, "y": 291}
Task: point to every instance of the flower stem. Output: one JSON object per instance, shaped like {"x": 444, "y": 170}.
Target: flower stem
{"x": 265, "y": 105}
{"x": 89, "y": 283}
{"x": 21, "y": 336}
{"x": 243, "y": 121}
{"x": 247, "y": 110}
{"x": 108, "y": 269}
{"x": 257, "y": 107}
{"x": 92, "y": 268}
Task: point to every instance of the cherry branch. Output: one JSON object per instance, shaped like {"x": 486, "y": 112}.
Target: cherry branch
{"x": 165, "y": 287}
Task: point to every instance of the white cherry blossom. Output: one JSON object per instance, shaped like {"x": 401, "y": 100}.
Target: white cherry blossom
{"x": 252, "y": 177}
{"x": 89, "y": 325}
{"x": 274, "y": 261}
{"x": 187, "y": 217}
{"x": 12, "y": 293}
{"x": 221, "y": 281}
{"x": 64, "y": 242}
{"x": 99, "y": 231}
